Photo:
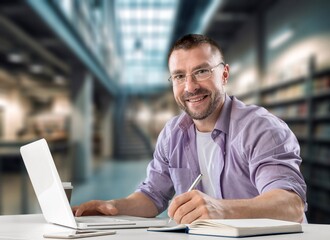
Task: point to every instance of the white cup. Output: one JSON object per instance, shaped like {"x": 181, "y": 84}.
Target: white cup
{"x": 68, "y": 189}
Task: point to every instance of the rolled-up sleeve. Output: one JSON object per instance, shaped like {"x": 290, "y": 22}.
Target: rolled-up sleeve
{"x": 274, "y": 159}
{"x": 158, "y": 185}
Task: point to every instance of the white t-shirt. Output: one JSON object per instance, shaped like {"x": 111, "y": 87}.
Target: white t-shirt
{"x": 208, "y": 150}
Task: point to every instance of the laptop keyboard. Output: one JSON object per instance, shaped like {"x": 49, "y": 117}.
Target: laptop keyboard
{"x": 91, "y": 219}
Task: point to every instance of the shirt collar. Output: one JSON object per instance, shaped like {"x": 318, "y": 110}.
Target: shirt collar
{"x": 223, "y": 121}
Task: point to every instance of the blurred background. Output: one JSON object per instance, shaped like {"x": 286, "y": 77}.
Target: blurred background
{"x": 90, "y": 76}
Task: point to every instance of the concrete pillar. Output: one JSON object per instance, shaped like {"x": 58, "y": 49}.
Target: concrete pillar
{"x": 81, "y": 125}
{"x": 107, "y": 126}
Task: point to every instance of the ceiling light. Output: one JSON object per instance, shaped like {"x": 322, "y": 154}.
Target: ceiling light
{"x": 281, "y": 38}
{"x": 15, "y": 57}
{"x": 59, "y": 80}
{"x": 36, "y": 68}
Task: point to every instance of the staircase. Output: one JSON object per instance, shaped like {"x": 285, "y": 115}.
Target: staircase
{"x": 132, "y": 143}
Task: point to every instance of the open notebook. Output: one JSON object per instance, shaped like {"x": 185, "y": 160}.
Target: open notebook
{"x": 54, "y": 204}
{"x": 234, "y": 227}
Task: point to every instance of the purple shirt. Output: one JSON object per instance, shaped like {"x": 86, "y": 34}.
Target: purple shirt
{"x": 258, "y": 153}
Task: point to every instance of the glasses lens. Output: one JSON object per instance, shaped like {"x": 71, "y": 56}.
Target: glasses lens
{"x": 198, "y": 75}
{"x": 202, "y": 74}
{"x": 178, "y": 79}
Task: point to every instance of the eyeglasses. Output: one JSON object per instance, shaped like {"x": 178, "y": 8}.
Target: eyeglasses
{"x": 199, "y": 75}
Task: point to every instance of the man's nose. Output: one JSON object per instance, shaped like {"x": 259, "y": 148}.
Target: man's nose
{"x": 191, "y": 85}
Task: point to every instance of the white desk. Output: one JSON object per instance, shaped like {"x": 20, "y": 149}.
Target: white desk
{"x": 32, "y": 227}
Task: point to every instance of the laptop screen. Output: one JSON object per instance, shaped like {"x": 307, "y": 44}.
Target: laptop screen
{"x": 47, "y": 184}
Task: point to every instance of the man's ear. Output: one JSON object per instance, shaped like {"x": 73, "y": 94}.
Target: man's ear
{"x": 225, "y": 75}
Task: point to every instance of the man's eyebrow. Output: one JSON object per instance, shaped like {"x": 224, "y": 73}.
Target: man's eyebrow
{"x": 178, "y": 71}
{"x": 203, "y": 65}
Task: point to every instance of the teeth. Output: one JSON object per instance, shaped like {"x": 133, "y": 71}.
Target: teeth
{"x": 195, "y": 100}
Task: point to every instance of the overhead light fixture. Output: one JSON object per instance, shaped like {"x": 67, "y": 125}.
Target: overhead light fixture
{"x": 15, "y": 57}
{"x": 36, "y": 68}
{"x": 59, "y": 80}
{"x": 281, "y": 38}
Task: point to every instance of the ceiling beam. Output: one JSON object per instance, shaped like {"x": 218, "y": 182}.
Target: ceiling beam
{"x": 32, "y": 44}
{"x": 230, "y": 16}
{"x": 69, "y": 35}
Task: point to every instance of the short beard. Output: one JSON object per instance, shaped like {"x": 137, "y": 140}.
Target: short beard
{"x": 215, "y": 101}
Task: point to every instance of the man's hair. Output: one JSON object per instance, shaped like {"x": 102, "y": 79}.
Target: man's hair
{"x": 190, "y": 41}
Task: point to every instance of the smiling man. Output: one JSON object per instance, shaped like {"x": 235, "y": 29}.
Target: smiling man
{"x": 196, "y": 93}
{"x": 248, "y": 157}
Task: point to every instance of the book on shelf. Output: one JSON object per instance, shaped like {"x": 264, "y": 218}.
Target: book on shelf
{"x": 234, "y": 227}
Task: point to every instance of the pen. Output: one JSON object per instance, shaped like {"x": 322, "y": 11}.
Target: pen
{"x": 193, "y": 185}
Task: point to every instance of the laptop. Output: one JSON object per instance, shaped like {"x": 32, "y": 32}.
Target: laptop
{"x": 53, "y": 201}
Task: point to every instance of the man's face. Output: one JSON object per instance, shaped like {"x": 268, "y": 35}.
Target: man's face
{"x": 198, "y": 99}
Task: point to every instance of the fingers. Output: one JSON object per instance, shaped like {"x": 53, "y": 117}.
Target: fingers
{"x": 88, "y": 208}
{"x": 95, "y": 207}
{"x": 185, "y": 208}
{"x": 74, "y": 210}
{"x": 176, "y": 203}
{"x": 190, "y": 216}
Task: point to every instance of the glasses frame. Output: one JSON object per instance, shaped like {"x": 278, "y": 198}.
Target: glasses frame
{"x": 192, "y": 74}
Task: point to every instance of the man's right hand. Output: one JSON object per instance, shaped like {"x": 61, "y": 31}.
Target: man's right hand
{"x": 136, "y": 204}
{"x": 95, "y": 207}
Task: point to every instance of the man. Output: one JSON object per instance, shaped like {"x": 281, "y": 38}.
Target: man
{"x": 249, "y": 158}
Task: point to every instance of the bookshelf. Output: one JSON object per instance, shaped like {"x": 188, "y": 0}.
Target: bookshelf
{"x": 303, "y": 102}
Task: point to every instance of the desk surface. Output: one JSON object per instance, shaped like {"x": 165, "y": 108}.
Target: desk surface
{"x": 22, "y": 227}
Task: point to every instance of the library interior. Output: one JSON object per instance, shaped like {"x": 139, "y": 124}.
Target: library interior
{"x": 90, "y": 76}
